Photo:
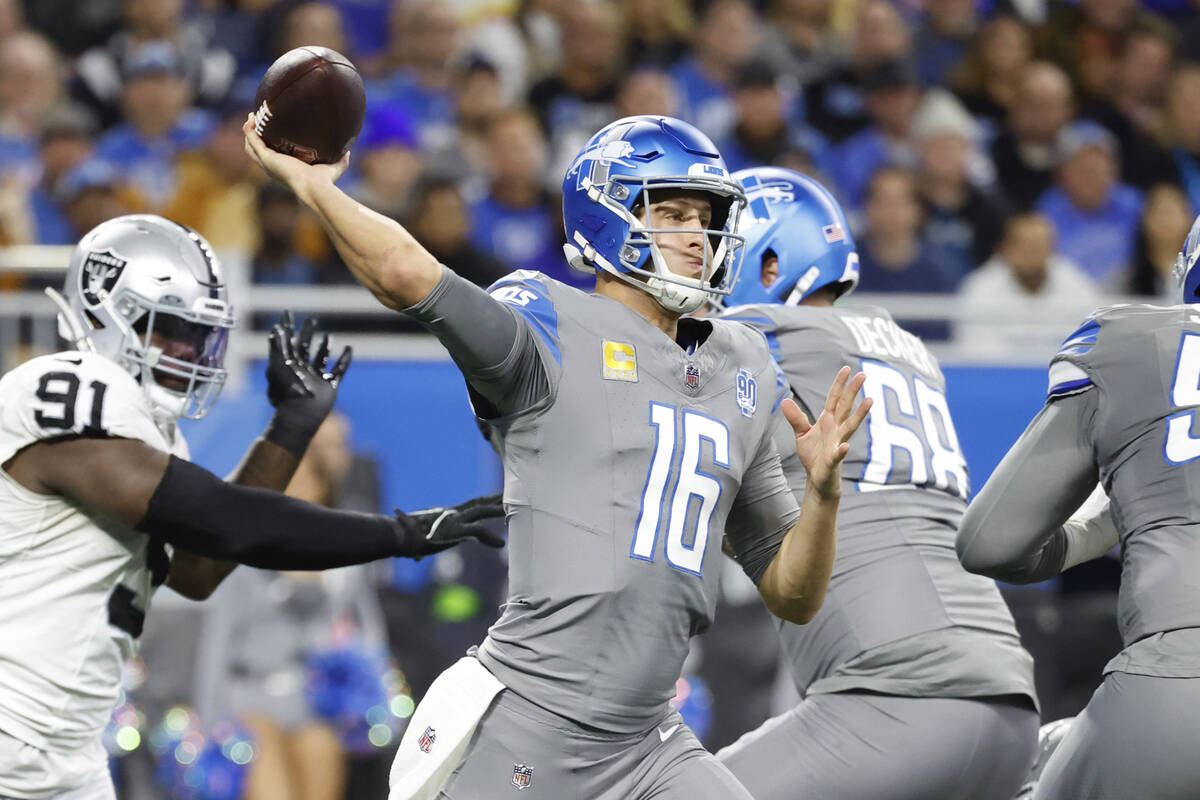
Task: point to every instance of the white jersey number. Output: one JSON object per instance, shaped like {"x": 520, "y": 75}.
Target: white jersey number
{"x": 685, "y": 548}
{"x": 928, "y": 438}
{"x": 1181, "y": 446}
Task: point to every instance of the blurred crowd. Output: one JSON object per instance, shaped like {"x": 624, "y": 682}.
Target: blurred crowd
{"x": 1031, "y": 157}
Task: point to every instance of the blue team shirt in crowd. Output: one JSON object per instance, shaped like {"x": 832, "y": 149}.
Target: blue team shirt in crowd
{"x": 149, "y": 165}
{"x": 1099, "y": 241}
{"x": 703, "y": 102}
{"x": 431, "y": 109}
{"x": 524, "y": 238}
{"x": 854, "y": 161}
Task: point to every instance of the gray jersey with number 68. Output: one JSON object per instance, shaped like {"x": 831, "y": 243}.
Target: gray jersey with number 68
{"x": 901, "y": 616}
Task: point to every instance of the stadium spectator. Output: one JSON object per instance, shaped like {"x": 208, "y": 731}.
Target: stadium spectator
{"x": 1132, "y": 106}
{"x": 516, "y": 220}
{"x": 1181, "y": 128}
{"x": 800, "y": 39}
{"x": 276, "y": 260}
{"x": 31, "y": 83}
{"x": 65, "y": 141}
{"x": 1096, "y": 216}
{"x": 578, "y": 98}
{"x": 1085, "y": 40}
{"x": 727, "y": 36}
{"x": 281, "y": 27}
{"x": 102, "y": 71}
{"x": 892, "y": 254}
{"x": 92, "y": 192}
{"x": 388, "y": 162}
{"x": 762, "y": 134}
{"x": 987, "y": 79}
{"x": 943, "y": 35}
{"x": 216, "y": 189}
{"x": 419, "y": 68}
{"x": 647, "y": 91}
{"x": 160, "y": 123}
{"x": 1022, "y": 302}
{"x": 1166, "y": 217}
{"x": 836, "y": 104}
{"x": 657, "y": 31}
{"x": 1026, "y": 151}
{"x": 478, "y": 97}
{"x": 892, "y": 94}
{"x": 963, "y": 222}
{"x": 441, "y": 223}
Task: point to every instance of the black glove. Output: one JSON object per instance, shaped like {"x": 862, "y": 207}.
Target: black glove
{"x": 432, "y": 530}
{"x": 302, "y": 388}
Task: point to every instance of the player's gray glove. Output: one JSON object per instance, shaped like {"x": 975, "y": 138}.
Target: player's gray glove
{"x": 432, "y": 530}
{"x": 302, "y": 387}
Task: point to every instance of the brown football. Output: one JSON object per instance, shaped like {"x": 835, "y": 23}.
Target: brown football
{"x": 310, "y": 104}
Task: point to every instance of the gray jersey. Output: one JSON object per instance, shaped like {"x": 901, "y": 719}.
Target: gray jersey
{"x": 1142, "y": 364}
{"x": 901, "y": 615}
{"x": 625, "y": 457}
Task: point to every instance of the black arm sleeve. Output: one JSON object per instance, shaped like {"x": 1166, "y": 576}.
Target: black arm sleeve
{"x": 196, "y": 511}
{"x": 1013, "y": 529}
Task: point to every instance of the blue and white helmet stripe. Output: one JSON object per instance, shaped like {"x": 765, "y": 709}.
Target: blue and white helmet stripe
{"x": 794, "y": 218}
{"x": 1187, "y": 277}
{"x": 615, "y": 172}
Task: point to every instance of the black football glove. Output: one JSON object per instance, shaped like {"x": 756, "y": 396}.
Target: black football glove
{"x": 432, "y": 530}
{"x": 301, "y": 387}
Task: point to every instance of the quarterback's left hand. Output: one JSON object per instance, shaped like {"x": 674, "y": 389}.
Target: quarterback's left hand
{"x": 302, "y": 387}
{"x": 441, "y": 528}
{"x": 823, "y": 445}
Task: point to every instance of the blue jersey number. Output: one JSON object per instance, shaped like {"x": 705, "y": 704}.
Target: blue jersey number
{"x": 685, "y": 548}
{"x": 1181, "y": 446}
{"x": 923, "y": 430}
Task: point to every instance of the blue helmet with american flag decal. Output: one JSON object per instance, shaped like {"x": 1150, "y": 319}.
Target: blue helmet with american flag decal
{"x": 612, "y": 178}
{"x": 1185, "y": 272}
{"x": 795, "y": 219}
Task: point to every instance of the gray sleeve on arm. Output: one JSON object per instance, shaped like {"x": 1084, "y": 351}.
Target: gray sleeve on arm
{"x": 490, "y": 343}
{"x": 1013, "y": 529}
{"x": 762, "y": 513}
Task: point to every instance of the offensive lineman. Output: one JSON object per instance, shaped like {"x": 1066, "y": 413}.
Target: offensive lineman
{"x": 914, "y": 678}
{"x": 94, "y": 483}
{"x": 631, "y": 438}
{"x": 1121, "y": 410}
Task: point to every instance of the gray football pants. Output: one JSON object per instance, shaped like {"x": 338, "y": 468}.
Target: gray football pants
{"x": 860, "y": 746}
{"x": 574, "y": 763}
{"x": 1136, "y": 739}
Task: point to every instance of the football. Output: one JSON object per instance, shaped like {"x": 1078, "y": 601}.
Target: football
{"x": 310, "y": 104}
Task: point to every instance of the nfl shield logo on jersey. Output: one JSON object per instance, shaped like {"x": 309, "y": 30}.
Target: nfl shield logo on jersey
{"x": 747, "y": 392}
{"x": 99, "y": 275}
{"x": 522, "y": 776}
{"x": 691, "y": 376}
{"x": 427, "y": 739}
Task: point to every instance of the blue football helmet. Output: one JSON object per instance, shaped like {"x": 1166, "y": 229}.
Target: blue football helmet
{"x": 794, "y": 218}
{"x": 614, "y": 174}
{"x": 1185, "y": 273}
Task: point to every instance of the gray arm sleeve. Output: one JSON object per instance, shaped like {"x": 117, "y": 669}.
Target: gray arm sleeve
{"x": 1013, "y": 529}
{"x": 763, "y": 511}
{"x": 494, "y": 348}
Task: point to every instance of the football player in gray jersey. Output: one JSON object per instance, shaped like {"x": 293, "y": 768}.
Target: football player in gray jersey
{"x": 1121, "y": 411}
{"x": 631, "y": 439}
{"x": 914, "y": 680}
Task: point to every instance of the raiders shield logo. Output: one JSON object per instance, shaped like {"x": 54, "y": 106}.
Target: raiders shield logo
{"x": 99, "y": 275}
{"x": 522, "y": 776}
{"x": 427, "y": 739}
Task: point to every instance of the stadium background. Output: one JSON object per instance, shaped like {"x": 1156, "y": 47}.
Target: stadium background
{"x": 1007, "y": 166}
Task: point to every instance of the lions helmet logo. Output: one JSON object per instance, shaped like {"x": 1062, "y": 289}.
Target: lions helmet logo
{"x": 596, "y": 162}
{"x": 100, "y": 272}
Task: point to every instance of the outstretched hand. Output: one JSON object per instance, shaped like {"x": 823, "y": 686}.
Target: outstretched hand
{"x": 823, "y": 445}
{"x": 302, "y": 386}
{"x": 442, "y": 528}
{"x": 288, "y": 169}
